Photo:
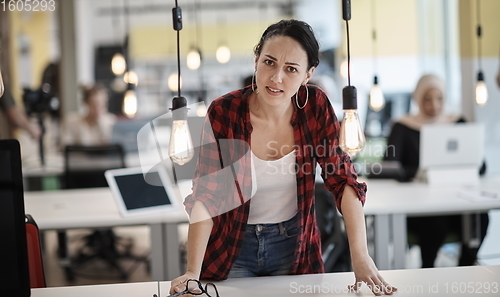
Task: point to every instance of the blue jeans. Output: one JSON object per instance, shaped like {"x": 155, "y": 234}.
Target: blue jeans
{"x": 267, "y": 249}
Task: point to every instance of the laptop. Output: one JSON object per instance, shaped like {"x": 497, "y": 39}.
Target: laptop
{"x": 451, "y": 153}
{"x": 459, "y": 144}
{"x": 139, "y": 194}
{"x": 14, "y": 269}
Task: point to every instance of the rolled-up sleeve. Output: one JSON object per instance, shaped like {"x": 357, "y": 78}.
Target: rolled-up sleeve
{"x": 337, "y": 167}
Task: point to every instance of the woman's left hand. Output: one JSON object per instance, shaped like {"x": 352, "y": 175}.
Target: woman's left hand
{"x": 366, "y": 272}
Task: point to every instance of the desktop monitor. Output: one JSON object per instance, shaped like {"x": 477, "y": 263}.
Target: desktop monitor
{"x": 14, "y": 270}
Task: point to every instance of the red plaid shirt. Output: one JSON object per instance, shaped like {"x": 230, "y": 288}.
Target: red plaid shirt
{"x": 223, "y": 179}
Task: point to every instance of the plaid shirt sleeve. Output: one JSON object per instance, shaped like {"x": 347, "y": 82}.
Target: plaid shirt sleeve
{"x": 337, "y": 167}
{"x": 216, "y": 182}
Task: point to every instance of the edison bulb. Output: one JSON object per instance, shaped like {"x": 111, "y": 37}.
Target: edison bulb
{"x": 130, "y": 77}
{"x": 130, "y": 103}
{"x": 352, "y": 138}
{"x": 180, "y": 149}
{"x": 201, "y": 110}
{"x": 173, "y": 83}
{"x": 377, "y": 100}
{"x": 223, "y": 54}
{"x": 193, "y": 59}
{"x": 481, "y": 93}
{"x": 118, "y": 64}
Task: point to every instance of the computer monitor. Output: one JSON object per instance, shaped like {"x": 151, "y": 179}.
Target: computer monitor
{"x": 14, "y": 270}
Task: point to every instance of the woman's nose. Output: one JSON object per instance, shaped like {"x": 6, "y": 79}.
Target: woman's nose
{"x": 277, "y": 76}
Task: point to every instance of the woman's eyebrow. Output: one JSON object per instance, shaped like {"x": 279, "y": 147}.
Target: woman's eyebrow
{"x": 288, "y": 63}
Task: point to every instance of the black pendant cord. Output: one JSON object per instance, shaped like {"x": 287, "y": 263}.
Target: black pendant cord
{"x": 178, "y": 65}
{"x": 348, "y": 55}
{"x": 479, "y": 34}
{"x": 374, "y": 40}
{"x": 127, "y": 37}
{"x": 178, "y": 59}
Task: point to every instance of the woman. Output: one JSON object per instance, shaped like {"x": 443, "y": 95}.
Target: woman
{"x": 404, "y": 144}
{"x": 93, "y": 128}
{"x": 278, "y": 128}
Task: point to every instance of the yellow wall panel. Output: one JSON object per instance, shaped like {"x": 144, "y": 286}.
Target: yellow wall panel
{"x": 395, "y": 23}
{"x": 490, "y": 23}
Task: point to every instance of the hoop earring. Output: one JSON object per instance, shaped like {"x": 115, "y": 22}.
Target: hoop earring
{"x": 253, "y": 83}
{"x": 297, "y": 98}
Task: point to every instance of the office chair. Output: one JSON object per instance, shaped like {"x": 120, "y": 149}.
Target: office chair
{"x": 335, "y": 248}
{"x": 35, "y": 261}
{"x": 84, "y": 167}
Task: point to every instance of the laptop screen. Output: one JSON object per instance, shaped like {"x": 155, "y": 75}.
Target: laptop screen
{"x": 137, "y": 193}
{"x": 14, "y": 275}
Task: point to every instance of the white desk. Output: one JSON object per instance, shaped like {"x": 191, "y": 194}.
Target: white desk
{"x": 411, "y": 282}
{"x": 54, "y": 164}
{"x": 123, "y": 290}
{"x": 391, "y": 202}
{"x": 95, "y": 208}
{"x": 461, "y": 281}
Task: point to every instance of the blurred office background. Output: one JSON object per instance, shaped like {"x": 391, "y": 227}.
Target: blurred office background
{"x": 413, "y": 37}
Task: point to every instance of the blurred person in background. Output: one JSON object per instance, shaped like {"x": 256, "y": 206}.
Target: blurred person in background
{"x": 95, "y": 125}
{"x": 430, "y": 231}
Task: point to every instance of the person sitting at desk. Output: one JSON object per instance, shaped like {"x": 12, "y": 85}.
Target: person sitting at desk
{"x": 276, "y": 122}
{"x": 404, "y": 146}
{"x": 94, "y": 127}
{"x": 18, "y": 117}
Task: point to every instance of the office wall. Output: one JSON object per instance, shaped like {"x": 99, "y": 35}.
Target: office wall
{"x": 32, "y": 38}
{"x": 490, "y": 43}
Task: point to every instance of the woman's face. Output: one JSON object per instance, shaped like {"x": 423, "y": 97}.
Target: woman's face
{"x": 97, "y": 103}
{"x": 281, "y": 70}
{"x": 432, "y": 103}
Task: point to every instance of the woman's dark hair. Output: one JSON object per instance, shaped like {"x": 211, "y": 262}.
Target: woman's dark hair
{"x": 298, "y": 30}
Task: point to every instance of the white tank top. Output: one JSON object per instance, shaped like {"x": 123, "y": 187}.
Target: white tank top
{"x": 275, "y": 186}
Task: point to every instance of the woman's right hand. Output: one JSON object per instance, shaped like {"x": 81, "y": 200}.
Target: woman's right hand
{"x": 179, "y": 284}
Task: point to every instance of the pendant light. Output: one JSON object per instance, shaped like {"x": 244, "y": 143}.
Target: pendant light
{"x": 377, "y": 100}
{"x": 180, "y": 148}
{"x": 223, "y": 53}
{"x": 193, "y": 58}
{"x": 118, "y": 62}
{"x": 129, "y": 107}
{"x": 352, "y": 139}
{"x": 481, "y": 90}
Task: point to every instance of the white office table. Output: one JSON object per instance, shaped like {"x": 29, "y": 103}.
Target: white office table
{"x": 54, "y": 164}
{"x": 468, "y": 281}
{"x": 96, "y": 208}
{"x": 391, "y": 202}
{"x": 146, "y": 289}
{"x": 462, "y": 281}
